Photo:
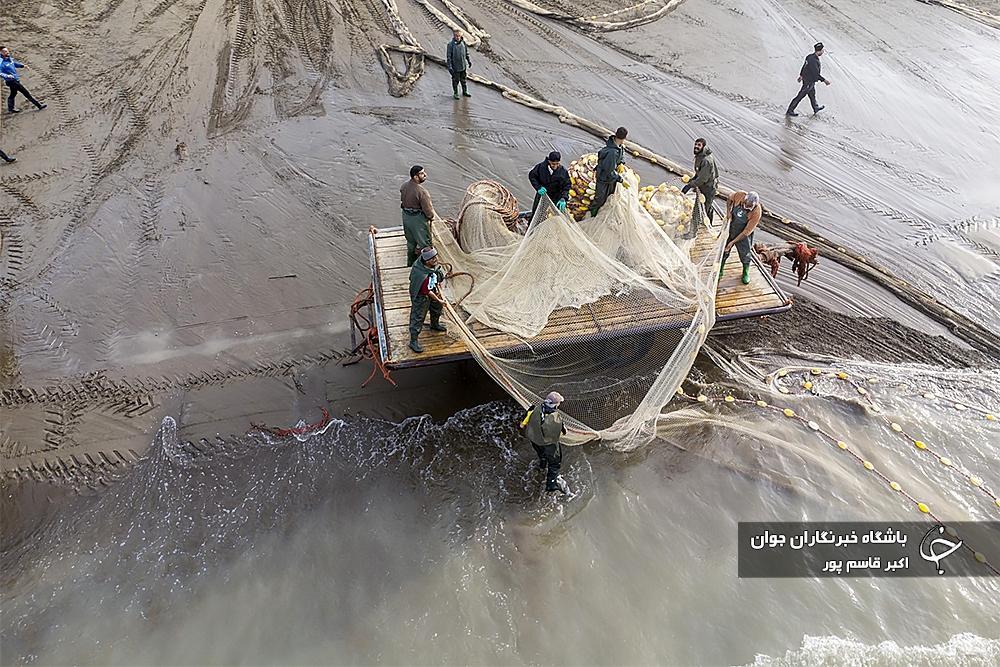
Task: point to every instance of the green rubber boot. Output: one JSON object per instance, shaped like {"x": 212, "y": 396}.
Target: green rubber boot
{"x": 745, "y": 279}
{"x": 416, "y": 346}
{"x": 722, "y": 269}
{"x": 455, "y": 95}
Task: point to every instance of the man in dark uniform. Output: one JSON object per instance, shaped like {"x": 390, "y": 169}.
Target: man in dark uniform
{"x": 706, "y": 175}
{"x": 550, "y": 178}
{"x": 809, "y": 76}
{"x": 543, "y": 427}
{"x": 417, "y": 213}
{"x": 425, "y": 276}
{"x": 608, "y": 160}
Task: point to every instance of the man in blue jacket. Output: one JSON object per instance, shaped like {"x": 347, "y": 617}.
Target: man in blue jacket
{"x": 458, "y": 63}
{"x": 550, "y": 178}
{"x": 809, "y": 76}
{"x": 8, "y": 71}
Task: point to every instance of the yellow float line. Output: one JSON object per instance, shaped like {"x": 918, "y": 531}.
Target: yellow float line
{"x": 843, "y": 446}
{"x": 921, "y": 445}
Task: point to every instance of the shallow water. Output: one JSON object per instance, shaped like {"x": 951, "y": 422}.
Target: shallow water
{"x": 415, "y": 540}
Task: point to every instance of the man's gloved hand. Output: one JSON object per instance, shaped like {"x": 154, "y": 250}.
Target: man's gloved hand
{"x": 561, "y": 205}
{"x": 686, "y": 188}
{"x": 542, "y": 191}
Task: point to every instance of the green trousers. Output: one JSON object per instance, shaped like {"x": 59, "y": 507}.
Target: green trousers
{"x": 419, "y": 305}
{"x": 417, "y": 230}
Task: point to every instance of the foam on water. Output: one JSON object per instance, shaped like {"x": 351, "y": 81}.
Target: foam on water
{"x": 961, "y": 650}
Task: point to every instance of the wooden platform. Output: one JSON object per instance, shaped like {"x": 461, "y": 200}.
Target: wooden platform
{"x": 391, "y": 309}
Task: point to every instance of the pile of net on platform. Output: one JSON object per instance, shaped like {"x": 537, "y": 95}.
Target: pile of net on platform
{"x": 610, "y": 310}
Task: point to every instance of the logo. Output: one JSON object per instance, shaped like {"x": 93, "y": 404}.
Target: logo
{"x": 933, "y": 556}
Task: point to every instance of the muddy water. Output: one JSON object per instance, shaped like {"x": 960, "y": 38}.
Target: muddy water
{"x": 184, "y": 231}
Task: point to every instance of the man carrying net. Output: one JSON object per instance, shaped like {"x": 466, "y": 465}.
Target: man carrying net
{"x": 543, "y": 426}
{"x": 425, "y": 276}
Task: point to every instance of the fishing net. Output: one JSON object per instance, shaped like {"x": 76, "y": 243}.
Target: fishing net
{"x": 609, "y": 311}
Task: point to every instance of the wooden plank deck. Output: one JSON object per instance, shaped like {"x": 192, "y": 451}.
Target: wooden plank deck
{"x": 390, "y": 277}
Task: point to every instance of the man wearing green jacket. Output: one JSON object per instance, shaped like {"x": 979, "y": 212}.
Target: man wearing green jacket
{"x": 425, "y": 276}
{"x": 706, "y": 175}
{"x": 543, "y": 427}
{"x": 608, "y": 160}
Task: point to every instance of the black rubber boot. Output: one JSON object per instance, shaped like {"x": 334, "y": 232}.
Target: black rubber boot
{"x": 415, "y": 346}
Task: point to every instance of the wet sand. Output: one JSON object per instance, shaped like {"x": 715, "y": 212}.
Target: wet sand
{"x": 184, "y": 229}
{"x": 190, "y": 210}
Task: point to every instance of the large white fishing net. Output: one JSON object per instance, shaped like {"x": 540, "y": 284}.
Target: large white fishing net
{"x": 609, "y": 311}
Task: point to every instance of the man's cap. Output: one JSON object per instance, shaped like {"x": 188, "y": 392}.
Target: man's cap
{"x": 817, "y": 46}
{"x": 554, "y": 156}
{"x": 752, "y": 199}
{"x": 554, "y": 398}
{"x": 428, "y": 253}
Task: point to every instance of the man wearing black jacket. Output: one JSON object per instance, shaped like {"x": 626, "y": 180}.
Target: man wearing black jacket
{"x": 809, "y": 76}
{"x": 550, "y": 178}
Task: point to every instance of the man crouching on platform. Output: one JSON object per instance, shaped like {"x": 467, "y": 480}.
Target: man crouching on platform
{"x": 425, "y": 276}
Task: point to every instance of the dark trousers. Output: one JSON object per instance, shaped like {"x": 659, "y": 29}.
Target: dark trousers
{"x": 709, "y": 202}
{"x": 807, "y": 89}
{"x": 5, "y": 157}
{"x": 604, "y": 190}
{"x": 744, "y": 247}
{"x": 459, "y": 77}
{"x": 419, "y": 306}
{"x": 15, "y": 88}
{"x": 550, "y": 457}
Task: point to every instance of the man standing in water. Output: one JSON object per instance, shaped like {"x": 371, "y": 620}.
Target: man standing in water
{"x": 609, "y": 159}
{"x": 706, "y": 175}
{"x": 8, "y": 71}
{"x": 743, "y": 210}
{"x": 417, "y": 213}
{"x": 550, "y": 178}
{"x": 457, "y": 58}
{"x": 425, "y": 276}
{"x": 809, "y": 76}
{"x": 543, "y": 427}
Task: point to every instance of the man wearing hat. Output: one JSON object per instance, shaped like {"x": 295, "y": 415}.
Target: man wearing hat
{"x": 550, "y": 178}
{"x": 743, "y": 210}
{"x": 418, "y": 211}
{"x": 543, "y": 427}
{"x": 809, "y": 76}
{"x": 425, "y": 276}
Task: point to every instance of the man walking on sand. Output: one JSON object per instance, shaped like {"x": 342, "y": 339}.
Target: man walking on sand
{"x": 8, "y": 71}
{"x": 809, "y": 76}
{"x": 458, "y": 61}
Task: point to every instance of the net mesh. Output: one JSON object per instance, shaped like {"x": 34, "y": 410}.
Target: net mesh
{"x": 610, "y": 310}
